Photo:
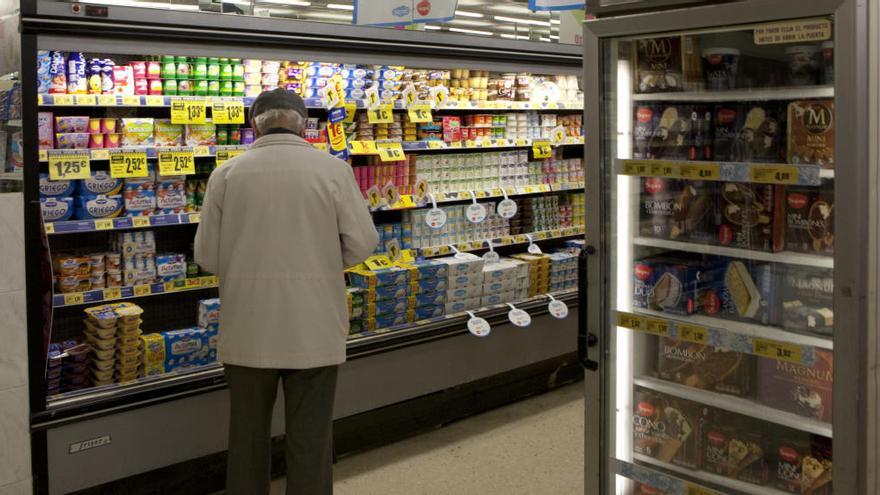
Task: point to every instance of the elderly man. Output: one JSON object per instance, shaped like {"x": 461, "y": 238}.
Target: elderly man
{"x": 279, "y": 224}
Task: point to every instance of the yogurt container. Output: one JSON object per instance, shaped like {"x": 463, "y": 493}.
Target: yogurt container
{"x": 56, "y": 188}
{"x": 99, "y": 183}
{"x": 56, "y": 209}
{"x": 95, "y": 207}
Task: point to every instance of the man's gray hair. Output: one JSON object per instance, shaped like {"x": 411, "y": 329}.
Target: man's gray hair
{"x": 283, "y": 118}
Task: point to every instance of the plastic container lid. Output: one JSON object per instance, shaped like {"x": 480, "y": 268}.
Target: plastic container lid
{"x": 721, "y": 51}
{"x": 200, "y": 60}
{"x": 213, "y": 60}
{"x": 224, "y": 60}
{"x": 182, "y": 59}
{"x": 167, "y": 59}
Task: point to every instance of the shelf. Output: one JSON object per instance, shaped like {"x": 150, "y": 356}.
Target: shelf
{"x": 669, "y": 485}
{"x": 159, "y": 101}
{"x": 128, "y": 292}
{"x": 430, "y": 252}
{"x": 151, "y": 151}
{"x": 758, "y": 173}
{"x": 488, "y": 143}
{"x": 121, "y": 223}
{"x": 736, "y": 404}
{"x": 407, "y": 202}
{"x": 785, "y": 93}
{"x": 788, "y": 257}
{"x": 710, "y": 478}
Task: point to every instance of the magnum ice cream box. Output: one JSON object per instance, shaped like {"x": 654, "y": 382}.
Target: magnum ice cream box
{"x": 798, "y": 388}
{"x": 811, "y": 132}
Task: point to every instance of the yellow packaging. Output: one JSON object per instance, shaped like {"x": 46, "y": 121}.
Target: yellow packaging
{"x": 153, "y": 347}
{"x": 167, "y": 134}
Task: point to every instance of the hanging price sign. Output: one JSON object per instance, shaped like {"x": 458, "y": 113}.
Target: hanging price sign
{"x": 518, "y": 317}
{"x": 227, "y": 112}
{"x": 478, "y": 326}
{"x": 372, "y": 98}
{"x": 350, "y": 109}
{"x": 374, "y": 197}
{"x": 391, "y": 152}
{"x": 336, "y": 135}
{"x": 381, "y": 115}
{"x": 389, "y": 192}
{"x": 542, "y": 149}
{"x": 69, "y": 164}
{"x": 176, "y": 162}
{"x": 422, "y": 189}
{"x": 378, "y": 262}
{"x": 557, "y": 308}
{"x": 364, "y": 148}
{"x": 439, "y": 95}
{"x": 188, "y": 111}
{"x": 557, "y": 135}
{"x": 224, "y": 156}
{"x": 420, "y": 113}
{"x": 124, "y": 164}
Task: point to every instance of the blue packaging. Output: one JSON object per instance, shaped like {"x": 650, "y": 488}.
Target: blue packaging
{"x": 391, "y": 320}
{"x": 430, "y": 299}
{"x": 96, "y": 207}
{"x": 209, "y": 312}
{"x": 425, "y": 312}
{"x": 740, "y": 290}
{"x": 389, "y": 292}
{"x": 56, "y": 188}
{"x": 170, "y": 267}
{"x": 184, "y": 348}
{"x": 388, "y": 306}
{"x": 429, "y": 285}
{"x": 77, "y": 80}
{"x": 99, "y": 183}
{"x": 56, "y": 209}
{"x": 668, "y": 284}
{"x": 379, "y": 278}
{"x": 211, "y": 337}
{"x": 57, "y": 72}
{"x": 44, "y": 62}
{"x": 430, "y": 269}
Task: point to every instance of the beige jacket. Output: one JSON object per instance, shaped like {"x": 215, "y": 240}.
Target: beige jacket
{"x": 279, "y": 225}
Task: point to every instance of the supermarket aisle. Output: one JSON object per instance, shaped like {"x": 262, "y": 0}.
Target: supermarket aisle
{"x": 531, "y": 447}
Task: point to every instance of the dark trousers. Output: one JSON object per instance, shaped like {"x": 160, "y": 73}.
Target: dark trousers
{"x": 308, "y": 404}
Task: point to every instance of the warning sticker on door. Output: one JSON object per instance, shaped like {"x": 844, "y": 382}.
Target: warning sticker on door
{"x": 793, "y": 32}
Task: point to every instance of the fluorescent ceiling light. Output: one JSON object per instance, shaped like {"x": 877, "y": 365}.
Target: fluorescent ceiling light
{"x": 469, "y": 22}
{"x": 555, "y": 21}
{"x": 470, "y": 31}
{"x": 515, "y": 37}
{"x": 521, "y": 21}
{"x": 433, "y": 27}
{"x": 340, "y": 6}
{"x": 511, "y": 9}
{"x": 465, "y": 13}
{"x": 151, "y": 5}
{"x": 295, "y": 3}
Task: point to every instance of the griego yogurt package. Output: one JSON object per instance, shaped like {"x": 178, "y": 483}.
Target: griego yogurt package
{"x": 56, "y": 188}
{"x": 99, "y": 183}
{"x": 95, "y": 207}
{"x": 56, "y": 209}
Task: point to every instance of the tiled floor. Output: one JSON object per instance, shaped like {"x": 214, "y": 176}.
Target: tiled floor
{"x": 532, "y": 447}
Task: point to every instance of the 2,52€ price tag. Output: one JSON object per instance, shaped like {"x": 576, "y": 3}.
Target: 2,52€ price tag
{"x": 124, "y": 164}
{"x": 188, "y": 111}
{"x": 177, "y": 162}
{"x": 227, "y": 112}
{"x": 69, "y": 164}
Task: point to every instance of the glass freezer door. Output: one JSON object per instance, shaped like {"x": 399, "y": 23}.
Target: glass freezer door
{"x": 717, "y": 219}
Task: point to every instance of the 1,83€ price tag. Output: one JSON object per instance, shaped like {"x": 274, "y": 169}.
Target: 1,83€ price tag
{"x": 177, "y": 162}
{"x": 227, "y": 112}
{"x": 382, "y": 115}
{"x": 188, "y": 111}
{"x": 420, "y": 113}
{"x": 69, "y": 164}
{"x": 391, "y": 152}
{"x": 124, "y": 164}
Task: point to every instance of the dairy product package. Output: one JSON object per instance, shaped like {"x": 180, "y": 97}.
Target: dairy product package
{"x": 499, "y": 298}
{"x": 388, "y": 292}
{"x": 99, "y": 183}
{"x": 430, "y": 298}
{"x": 504, "y": 270}
{"x": 135, "y": 242}
{"x": 171, "y": 195}
{"x": 46, "y": 130}
{"x": 185, "y": 348}
{"x": 465, "y": 292}
{"x": 379, "y": 278}
{"x": 209, "y": 312}
{"x": 495, "y": 287}
{"x": 426, "y": 312}
{"x": 140, "y": 203}
{"x": 429, "y": 285}
{"x": 462, "y": 305}
{"x": 429, "y": 269}
{"x": 463, "y": 264}
{"x": 200, "y": 135}
{"x": 137, "y": 132}
{"x": 460, "y": 281}
{"x": 139, "y": 269}
{"x": 170, "y": 267}
{"x": 153, "y": 348}
{"x": 56, "y": 188}
{"x": 167, "y": 134}
{"x": 95, "y": 207}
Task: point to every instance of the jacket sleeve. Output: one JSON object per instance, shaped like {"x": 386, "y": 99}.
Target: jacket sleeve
{"x": 357, "y": 234}
{"x": 207, "y": 241}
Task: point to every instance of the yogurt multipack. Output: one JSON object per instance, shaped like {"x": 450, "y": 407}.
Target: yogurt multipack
{"x": 56, "y": 209}
{"x": 97, "y": 207}
{"x": 56, "y": 188}
{"x": 98, "y": 183}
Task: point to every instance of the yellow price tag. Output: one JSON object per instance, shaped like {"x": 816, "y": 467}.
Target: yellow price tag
{"x": 382, "y": 115}
{"x": 774, "y": 174}
{"x": 693, "y": 333}
{"x": 107, "y": 100}
{"x": 436, "y": 144}
{"x": 195, "y": 218}
{"x": 103, "y": 224}
{"x": 43, "y": 155}
{"x": 406, "y": 256}
{"x": 40, "y": 100}
{"x": 131, "y": 101}
{"x": 364, "y": 148}
{"x": 455, "y": 144}
{"x": 405, "y": 202}
{"x": 227, "y": 112}
{"x": 112, "y": 294}
{"x": 487, "y": 143}
{"x": 170, "y": 286}
{"x": 699, "y": 490}
{"x": 210, "y": 281}
{"x": 777, "y": 350}
{"x": 420, "y": 113}
{"x": 193, "y": 283}
{"x": 521, "y": 142}
{"x": 140, "y": 222}
{"x": 542, "y": 149}
{"x": 74, "y": 298}
{"x": 128, "y": 164}
{"x": 664, "y": 169}
{"x": 699, "y": 171}
{"x": 391, "y": 152}
{"x": 100, "y": 154}
{"x": 86, "y": 100}
{"x": 658, "y": 327}
{"x": 350, "y": 111}
{"x": 190, "y": 111}
{"x": 176, "y": 163}
{"x": 202, "y": 150}
{"x": 155, "y": 101}
{"x": 62, "y": 100}
{"x": 49, "y": 227}
{"x": 69, "y": 164}
{"x": 142, "y": 290}
{"x": 224, "y": 156}
{"x": 631, "y": 321}
{"x": 635, "y": 167}
{"x": 378, "y": 262}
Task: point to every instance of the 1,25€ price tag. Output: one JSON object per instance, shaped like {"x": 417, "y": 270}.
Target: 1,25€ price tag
{"x": 177, "y": 162}
{"x": 124, "y": 164}
{"x": 227, "y": 112}
{"x": 69, "y": 164}
{"x": 391, "y": 152}
{"x": 188, "y": 111}
{"x": 382, "y": 115}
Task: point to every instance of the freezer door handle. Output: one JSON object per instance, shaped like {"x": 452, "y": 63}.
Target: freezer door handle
{"x": 585, "y": 339}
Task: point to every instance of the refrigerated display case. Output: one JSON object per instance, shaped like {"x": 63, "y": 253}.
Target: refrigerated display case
{"x": 95, "y": 400}
{"x": 730, "y": 137}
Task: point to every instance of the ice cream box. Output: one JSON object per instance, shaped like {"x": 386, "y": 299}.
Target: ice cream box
{"x": 751, "y": 216}
{"x": 667, "y": 428}
{"x": 705, "y": 367}
{"x": 811, "y": 132}
{"x": 807, "y": 298}
{"x": 659, "y": 65}
{"x": 809, "y": 219}
{"x": 740, "y": 290}
{"x": 667, "y": 283}
{"x": 798, "y": 388}
{"x": 750, "y": 132}
{"x": 800, "y": 462}
{"x": 735, "y": 446}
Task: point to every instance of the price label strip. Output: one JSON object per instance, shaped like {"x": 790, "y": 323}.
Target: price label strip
{"x": 188, "y": 111}
{"x": 781, "y": 351}
{"x": 699, "y": 171}
{"x": 364, "y": 148}
{"x": 125, "y": 164}
{"x": 177, "y": 162}
{"x": 381, "y": 115}
{"x": 634, "y": 167}
{"x": 227, "y": 112}
{"x": 69, "y": 164}
{"x": 391, "y": 152}
{"x": 224, "y": 156}
{"x": 664, "y": 169}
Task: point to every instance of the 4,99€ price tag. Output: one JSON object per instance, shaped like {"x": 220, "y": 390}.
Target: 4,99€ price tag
{"x": 382, "y": 115}
{"x": 69, "y": 164}
{"x": 188, "y": 111}
{"x": 391, "y": 152}
{"x": 542, "y": 149}
{"x": 227, "y": 112}
{"x": 125, "y": 164}
{"x": 177, "y": 162}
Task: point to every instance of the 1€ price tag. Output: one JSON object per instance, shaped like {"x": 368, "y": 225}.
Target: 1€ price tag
{"x": 381, "y": 115}
{"x": 125, "y": 164}
{"x": 420, "y": 113}
{"x": 391, "y": 152}
{"x": 227, "y": 112}
{"x": 69, "y": 164}
{"x": 188, "y": 111}
{"x": 176, "y": 163}
{"x": 542, "y": 149}
{"x": 378, "y": 262}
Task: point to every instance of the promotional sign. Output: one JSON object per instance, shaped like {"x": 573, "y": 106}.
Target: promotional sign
{"x": 546, "y": 5}
{"x": 336, "y": 133}
{"x": 402, "y": 12}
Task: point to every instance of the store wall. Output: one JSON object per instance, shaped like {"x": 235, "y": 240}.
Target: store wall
{"x": 15, "y": 455}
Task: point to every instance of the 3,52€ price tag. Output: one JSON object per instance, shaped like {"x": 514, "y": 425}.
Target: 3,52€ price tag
{"x": 177, "y": 162}
{"x": 69, "y": 164}
{"x": 125, "y": 164}
{"x": 227, "y": 112}
{"x": 188, "y": 111}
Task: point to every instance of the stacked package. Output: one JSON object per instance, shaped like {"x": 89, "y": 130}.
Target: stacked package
{"x": 84, "y": 272}
{"x": 355, "y": 309}
{"x": 138, "y": 250}
{"x": 113, "y": 331}
{"x": 429, "y": 284}
{"x": 291, "y": 76}
{"x": 465, "y": 282}
{"x": 67, "y": 367}
{"x": 503, "y": 281}
{"x": 539, "y": 272}
{"x": 563, "y": 271}
{"x": 386, "y": 296}
{"x": 209, "y": 322}
{"x": 457, "y": 228}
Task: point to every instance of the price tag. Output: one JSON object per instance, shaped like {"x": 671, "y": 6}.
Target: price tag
{"x": 487, "y": 143}
{"x": 74, "y": 298}
{"x": 224, "y": 156}
{"x": 140, "y": 222}
{"x": 557, "y": 308}
{"x": 420, "y": 113}
{"x": 155, "y": 101}
{"x": 176, "y": 163}
{"x": 476, "y": 213}
{"x": 170, "y": 286}
{"x": 381, "y": 115}
{"x": 125, "y": 164}
{"x": 521, "y": 142}
{"x": 391, "y": 152}
{"x": 189, "y": 111}
{"x": 658, "y": 327}
{"x": 194, "y": 218}
{"x": 699, "y": 490}
{"x": 69, "y": 164}
{"x": 378, "y": 262}
{"x": 211, "y": 281}
{"x": 112, "y": 294}
{"x": 227, "y": 112}
{"x": 699, "y": 171}
{"x": 86, "y": 100}
{"x": 557, "y": 135}
{"x": 107, "y": 100}
{"x": 632, "y": 322}
{"x": 43, "y": 155}
{"x": 777, "y": 350}
{"x": 364, "y": 148}
{"x": 436, "y": 144}
{"x": 142, "y": 290}
{"x": 131, "y": 101}
{"x": 439, "y": 94}
{"x": 455, "y": 144}
{"x": 405, "y": 202}
{"x": 62, "y": 100}
{"x": 693, "y": 333}
{"x": 193, "y": 283}
{"x": 103, "y": 224}
{"x": 506, "y": 208}
{"x": 350, "y": 109}
{"x": 374, "y": 197}
{"x": 634, "y": 167}
{"x": 422, "y": 188}
{"x": 478, "y": 326}
{"x": 98, "y": 154}
{"x": 372, "y": 98}
{"x": 518, "y": 317}
{"x": 664, "y": 169}
{"x": 389, "y": 192}
{"x": 542, "y": 149}
{"x": 49, "y": 228}
{"x": 774, "y": 174}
